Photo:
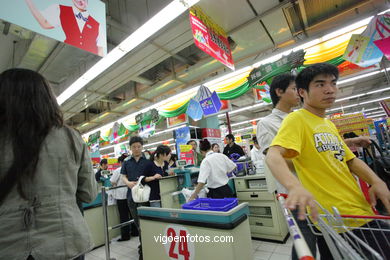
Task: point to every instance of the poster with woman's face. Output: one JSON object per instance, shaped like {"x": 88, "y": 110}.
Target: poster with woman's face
{"x": 80, "y": 23}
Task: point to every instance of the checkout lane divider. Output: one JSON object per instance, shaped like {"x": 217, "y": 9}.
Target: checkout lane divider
{"x": 105, "y": 220}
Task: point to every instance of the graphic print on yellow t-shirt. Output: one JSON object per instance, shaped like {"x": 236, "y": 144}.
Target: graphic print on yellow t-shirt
{"x": 320, "y": 159}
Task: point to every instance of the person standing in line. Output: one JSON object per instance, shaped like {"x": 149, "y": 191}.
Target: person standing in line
{"x": 284, "y": 96}
{"x": 198, "y": 157}
{"x": 215, "y": 148}
{"x": 80, "y": 28}
{"x": 214, "y": 170}
{"x": 103, "y": 167}
{"x": 120, "y": 195}
{"x": 256, "y": 155}
{"x": 324, "y": 164}
{"x": 231, "y": 147}
{"x": 45, "y": 174}
{"x": 155, "y": 171}
{"x": 133, "y": 167}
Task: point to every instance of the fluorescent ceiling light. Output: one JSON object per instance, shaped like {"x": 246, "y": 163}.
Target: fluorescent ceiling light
{"x": 243, "y": 129}
{"x": 363, "y": 94}
{"x": 359, "y": 104}
{"x": 359, "y": 77}
{"x": 110, "y": 146}
{"x": 247, "y": 108}
{"x": 160, "y": 142}
{"x": 246, "y": 122}
{"x": 379, "y": 115}
{"x": 161, "y": 19}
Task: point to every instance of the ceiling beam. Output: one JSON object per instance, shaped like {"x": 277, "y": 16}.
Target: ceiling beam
{"x": 52, "y": 56}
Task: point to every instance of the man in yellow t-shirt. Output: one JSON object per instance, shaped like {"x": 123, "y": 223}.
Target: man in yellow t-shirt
{"x": 323, "y": 162}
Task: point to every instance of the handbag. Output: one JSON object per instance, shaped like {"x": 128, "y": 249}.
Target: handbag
{"x": 380, "y": 165}
{"x": 139, "y": 192}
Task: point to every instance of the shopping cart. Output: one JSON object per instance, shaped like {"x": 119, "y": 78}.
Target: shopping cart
{"x": 347, "y": 236}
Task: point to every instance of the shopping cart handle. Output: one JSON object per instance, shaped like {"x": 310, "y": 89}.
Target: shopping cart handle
{"x": 284, "y": 195}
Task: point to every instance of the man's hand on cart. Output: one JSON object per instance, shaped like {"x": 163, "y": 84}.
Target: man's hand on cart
{"x": 380, "y": 191}
{"x": 299, "y": 196}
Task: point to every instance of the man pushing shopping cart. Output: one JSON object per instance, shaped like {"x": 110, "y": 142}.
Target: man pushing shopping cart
{"x": 326, "y": 168}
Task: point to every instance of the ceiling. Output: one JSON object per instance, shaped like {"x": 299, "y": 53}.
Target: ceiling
{"x": 169, "y": 62}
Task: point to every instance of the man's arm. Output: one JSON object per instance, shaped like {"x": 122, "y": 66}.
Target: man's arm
{"x": 378, "y": 188}
{"x": 297, "y": 195}
{"x": 38, "y": 16}
{"x": 361, "y": 141}
{"x": 198, "y": 188}
{"x": 129, "y": 184}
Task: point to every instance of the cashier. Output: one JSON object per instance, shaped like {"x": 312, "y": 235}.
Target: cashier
{"x": 213, "y": 170}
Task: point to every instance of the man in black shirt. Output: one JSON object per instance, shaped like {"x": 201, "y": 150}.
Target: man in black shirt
{"x": 232, "y": 147}
{"x": 133, "y": 167}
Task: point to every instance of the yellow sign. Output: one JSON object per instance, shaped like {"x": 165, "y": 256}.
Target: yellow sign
{"x": 112, "y": 160}
{"x": 238, "y": 139}
{"x": 185, "y": 148}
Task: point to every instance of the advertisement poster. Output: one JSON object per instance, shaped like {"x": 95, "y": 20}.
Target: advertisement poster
{"x": 210, "y": 37}
{"x": 182, "y": 136}
{"x": 80, "y": 23}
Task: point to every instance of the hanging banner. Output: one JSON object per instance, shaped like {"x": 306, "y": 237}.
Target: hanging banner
{"x": 363, "y": 49}
{"x": 147, "y": 122}
{"x": 80, "y": 23}
{"x": 382, "y": 25}
{"x": 226, "y": 107}
{"x": 194, "y": 110}
{"x": 283, "y": 65}
{"x": 209, "y": 102}
{"x": 262, "y": 93}
{"x": 210, "y": 37}
{"x": 211, "y": 105}
{"x": 177, "y": 120}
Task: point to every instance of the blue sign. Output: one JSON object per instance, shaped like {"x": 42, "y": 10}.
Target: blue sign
{"x": 182, "y": 136}
{"x": 194, "y": 110}
{"x": 211, "y": 105}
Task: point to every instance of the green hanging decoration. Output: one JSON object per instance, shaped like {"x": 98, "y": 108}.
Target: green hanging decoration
{"x": 176, "y": 112}
{"x": 270, "y": 70}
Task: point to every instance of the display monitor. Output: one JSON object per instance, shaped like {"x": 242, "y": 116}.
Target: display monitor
{"x": 181, "y": 163}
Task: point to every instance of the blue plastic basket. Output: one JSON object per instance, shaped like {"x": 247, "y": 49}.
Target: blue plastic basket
{"x": 225, "y": 204}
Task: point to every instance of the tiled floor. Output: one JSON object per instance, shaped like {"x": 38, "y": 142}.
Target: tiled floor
{"x": 128, "y": 250}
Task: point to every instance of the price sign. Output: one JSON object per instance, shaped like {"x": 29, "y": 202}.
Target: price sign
{"x": 179, "y": 245}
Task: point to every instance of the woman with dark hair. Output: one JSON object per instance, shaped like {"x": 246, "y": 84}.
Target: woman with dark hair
{"x": 215, "y": 148}
{"x": 45, "y": 173}
{"x": 213, "y": 170}
{"x": 172, "y": 161}
{"x": 155, "y": 171}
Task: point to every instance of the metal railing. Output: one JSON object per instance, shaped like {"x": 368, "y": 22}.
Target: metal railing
{"x": 105, "y": 220}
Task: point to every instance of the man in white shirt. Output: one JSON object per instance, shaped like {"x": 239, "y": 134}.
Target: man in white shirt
{"x": 80, "y": 28}
{"x": 213, "y": 170}
{"x": 284, "y": 97}
{"x": 120, "y": 195}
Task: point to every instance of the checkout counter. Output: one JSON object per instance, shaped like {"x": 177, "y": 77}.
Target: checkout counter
{"x": 196, "y": 233}
{"x": 93, "y": 215}
{"x": 198, "y": 225}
